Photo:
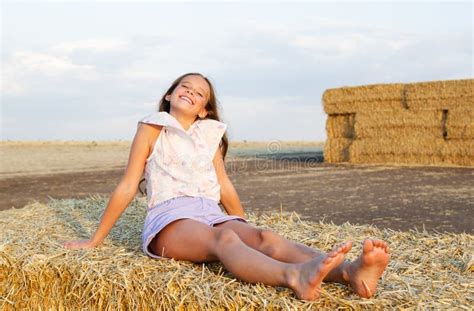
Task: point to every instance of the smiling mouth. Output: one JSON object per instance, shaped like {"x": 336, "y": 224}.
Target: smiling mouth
{"x": 187, "y": 99}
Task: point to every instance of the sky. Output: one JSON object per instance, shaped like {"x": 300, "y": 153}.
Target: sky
{"x": 89, "y": 70}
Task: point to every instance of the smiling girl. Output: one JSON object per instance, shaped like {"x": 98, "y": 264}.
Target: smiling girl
{"x": 181, "y": 149}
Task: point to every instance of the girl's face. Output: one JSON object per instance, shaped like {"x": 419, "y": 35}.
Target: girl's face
{"x": 190, "y": 96}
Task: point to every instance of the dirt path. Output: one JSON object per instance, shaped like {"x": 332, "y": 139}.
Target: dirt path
{"x": 400, "y": 198}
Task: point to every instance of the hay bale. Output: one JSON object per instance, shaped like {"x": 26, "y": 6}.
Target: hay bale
{"x": 427, "y": 270}
{"x": 460, "y": 124}
{"x": 432, "y": 120}
{"x": 406, "y": 146}
{"x": 440, "y": 89}
{"x": 412, "y": 151}
{"x": 366, "y": 98}
{"x": 365, "y": 93}
{"x": 442, "y": 103}
{"x": 406, "y": 159}
{"x": 449, "y": 94}
{"x": 337, "y": 150}
{"x": 459, "y": 152}
{"x": 399, "y": 124}
{"x": 340, "y": 125}
{"x": 357, "y": 106}
{"x": 400, "y": 118}
{"x": 364, "y": 132}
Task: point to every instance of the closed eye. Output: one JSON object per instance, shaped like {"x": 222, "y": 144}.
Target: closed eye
{"x": 186, "y": 86}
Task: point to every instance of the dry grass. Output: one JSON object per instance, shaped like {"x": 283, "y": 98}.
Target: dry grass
{"x": 86, "y": 143}
{"x": 26, "y": 158}
{"x": 427, "y": 270}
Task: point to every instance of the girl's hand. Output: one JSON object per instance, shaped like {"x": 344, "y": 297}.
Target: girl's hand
{"x": 79, "y": 244}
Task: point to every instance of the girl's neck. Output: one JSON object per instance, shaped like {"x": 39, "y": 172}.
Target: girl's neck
{"x": 184, "y": 120}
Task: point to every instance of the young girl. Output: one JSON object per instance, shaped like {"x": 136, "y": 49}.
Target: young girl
{"x": 181, "y": 148}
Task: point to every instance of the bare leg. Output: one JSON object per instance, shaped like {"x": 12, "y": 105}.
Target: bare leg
{"x": 253, "y": 266}
{"x": 191, "y": 240}
{"x": 362, "y": 275}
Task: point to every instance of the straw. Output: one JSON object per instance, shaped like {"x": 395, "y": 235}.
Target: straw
{"x": 337, "y": 150}
{"x": 399, "y": 125}
{"x": 447, "y": 95}
{"x": 460, "y": 124}
{"x": 413, "y": 123}
{"x": 367, "y": 97}
{"x": 340, "y": 125}
{"x": 428, "y": 270}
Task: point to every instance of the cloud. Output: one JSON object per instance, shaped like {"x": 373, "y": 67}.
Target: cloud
{"x": 255, "y": 57}
{"x": 49, "y": 65}
{"x": 272, "y": 118}
{"x": 269, "y": 74}
{"x": 26, "y": 71}
{"x": 310, "y": 59}
{"x": 106, "y": 45}
{"x": 73, "y": 120}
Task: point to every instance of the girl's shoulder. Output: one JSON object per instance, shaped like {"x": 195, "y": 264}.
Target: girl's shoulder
{"x": 157, "y": 118}
{"x": 211, "y": 124}
{"x": 163, "y": 118}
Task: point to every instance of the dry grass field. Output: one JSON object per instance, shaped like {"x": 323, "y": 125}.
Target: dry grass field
{"x": 24, "y": 158}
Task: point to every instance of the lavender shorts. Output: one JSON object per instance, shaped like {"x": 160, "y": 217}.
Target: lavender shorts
{"x": 201, "y": 209}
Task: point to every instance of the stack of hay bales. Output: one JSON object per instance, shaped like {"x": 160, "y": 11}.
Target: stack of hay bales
{"x": 416, "y": 123}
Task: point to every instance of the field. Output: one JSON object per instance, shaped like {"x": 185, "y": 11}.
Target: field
{"x": 269, "y": 176}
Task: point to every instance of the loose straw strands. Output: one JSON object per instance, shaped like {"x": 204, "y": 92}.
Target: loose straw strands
{"x": 426, "y": 271}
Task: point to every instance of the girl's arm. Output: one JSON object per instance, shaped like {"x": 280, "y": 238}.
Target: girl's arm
{"x": 126, "y": 189}
{"x": 229, "y": 197}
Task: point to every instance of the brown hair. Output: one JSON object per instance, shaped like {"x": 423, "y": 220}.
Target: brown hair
{"x": 211, "y": 106}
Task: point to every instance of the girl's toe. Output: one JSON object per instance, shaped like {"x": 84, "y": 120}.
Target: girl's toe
{"x": 368, "y": 246}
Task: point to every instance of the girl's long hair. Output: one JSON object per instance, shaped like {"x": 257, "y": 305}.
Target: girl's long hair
{"x": 211, "y": 106}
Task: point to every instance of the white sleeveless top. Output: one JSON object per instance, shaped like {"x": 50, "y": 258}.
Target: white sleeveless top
{"x": 180, "y": 163}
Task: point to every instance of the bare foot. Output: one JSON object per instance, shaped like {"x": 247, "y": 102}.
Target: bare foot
{"x": 364, "y": 273}
{"x": 309, "y": 275}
